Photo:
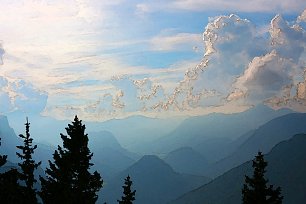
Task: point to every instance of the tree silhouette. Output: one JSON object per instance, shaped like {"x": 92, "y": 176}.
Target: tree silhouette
{"x": 255, "y": 190}
{"x": 10, "y": 190}
{"x": 28, "y": 165}
{"x": 128, "y": 195}
{"x": 68, "y": 178}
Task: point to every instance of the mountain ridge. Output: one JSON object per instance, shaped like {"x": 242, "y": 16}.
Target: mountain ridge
{"x": 155, "y": 182}
{"x": 263, "y": 139}
{"x": 286, "y": 168}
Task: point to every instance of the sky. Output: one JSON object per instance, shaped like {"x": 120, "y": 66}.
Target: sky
{"x": 113, "y": 59}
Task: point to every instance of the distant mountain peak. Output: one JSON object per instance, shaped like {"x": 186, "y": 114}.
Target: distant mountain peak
{"x": 103, "y": 139}
{"x": 184, "y": 149}
{"x": 151, "y": 163}
{"x": 4, "y": 122}
{"x": 5, "y": 128}
{"x": 286, "y": 168}
{"x": 184, "y": 153}
{"x": 152, "y": 160}
{"x": 262, "y": 108}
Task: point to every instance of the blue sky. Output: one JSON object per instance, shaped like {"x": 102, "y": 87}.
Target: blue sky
{"x": 103, "y": 60}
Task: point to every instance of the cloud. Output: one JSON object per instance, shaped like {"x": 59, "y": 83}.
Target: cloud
{"x": 242, "y": 67}
{"x": 17, "y": 95}
{"x": 302, "y": 17}
{"x": 253, "y": 6}
{"x": 231, "y": 42}
{"x": 289, "y": 41}
{"x": 59, "y": 61}
{"x": 285, "y": 6}
{"x": 277, "y": 77}
{"x": 228, "y": 48}
{"x": 301, "y": 90}
{"x": 264, "y": 78}
{"x": 1, "y": 54}
{"x": 177, "y": 42}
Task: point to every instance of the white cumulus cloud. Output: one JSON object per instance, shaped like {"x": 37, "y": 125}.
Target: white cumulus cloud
{"x": 276, "y": 77}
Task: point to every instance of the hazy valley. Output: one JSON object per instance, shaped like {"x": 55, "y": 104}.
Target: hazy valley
{"x": 198, "y": 160}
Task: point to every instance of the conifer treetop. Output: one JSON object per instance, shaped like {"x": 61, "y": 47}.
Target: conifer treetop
{"x": 256, "y": 189}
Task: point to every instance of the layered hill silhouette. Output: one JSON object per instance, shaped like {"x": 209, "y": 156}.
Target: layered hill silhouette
{"x": 213, "y": 132}
{"x": 109, "y": 156}
{"x": 154, "y": 180}
{"x": 188, "y": 152}
{"x": 187, "y": 161}
{"x": 286, "y": 168}
{"x": 132, "y": 132}
{"x": 9, "y": 141}
{"x": 263, "y": 139}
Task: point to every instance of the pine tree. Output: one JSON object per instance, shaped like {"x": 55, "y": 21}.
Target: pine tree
{"x": 68, "y": 178}
{"x": 10, "y": 190}
{"x": 128, "y": 195}
{"x": 28, "y": 165}
{"x": 255, "y": 190}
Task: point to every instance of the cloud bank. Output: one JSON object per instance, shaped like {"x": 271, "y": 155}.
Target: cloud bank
{"x": 245, "y": 67}
{"x": 276, "y": 77}
{"x": 241, "y": 67}
{"x": 60, "y": 63}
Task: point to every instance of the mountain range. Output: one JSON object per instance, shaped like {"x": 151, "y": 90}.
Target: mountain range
{"x": 166, "y": 161}
{"x": 208, "y": 134}
{"x": 262, "y": 139}
{"x": 9, "y": 141}
{"x": 187, "y": 161}
{"x": 108, "y": 155}
{"x": 154, "y": 180}
{"x": 286, "y": 168}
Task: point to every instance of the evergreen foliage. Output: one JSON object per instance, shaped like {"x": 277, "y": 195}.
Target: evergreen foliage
{"x": 68, "y": 178}
{"x": 128, "y": 195}
{"x": 10, "y": 190}
{"x": 28, "y": 165}
{"x": 255, "y": 190}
